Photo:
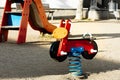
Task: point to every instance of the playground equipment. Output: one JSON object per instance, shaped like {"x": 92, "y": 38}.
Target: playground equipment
{"x": 32, "y": 12}
{"x": 72, "y": 48}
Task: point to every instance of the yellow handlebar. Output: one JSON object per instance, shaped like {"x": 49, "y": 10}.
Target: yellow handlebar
{"x": 60, "y": 33}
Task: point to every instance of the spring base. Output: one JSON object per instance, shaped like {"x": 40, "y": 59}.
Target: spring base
{"x": 75, "y": 66}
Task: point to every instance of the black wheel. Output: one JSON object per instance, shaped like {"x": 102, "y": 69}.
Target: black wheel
{"x": 90, "y": 56}
{"x": 54, "y": 50}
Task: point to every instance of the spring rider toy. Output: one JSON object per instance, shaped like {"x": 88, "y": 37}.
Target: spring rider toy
{"x": 72, "y": 48}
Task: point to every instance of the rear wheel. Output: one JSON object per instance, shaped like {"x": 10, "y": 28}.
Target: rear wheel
{"x": 86, "y": 55}
{"x": 53, "y": 52}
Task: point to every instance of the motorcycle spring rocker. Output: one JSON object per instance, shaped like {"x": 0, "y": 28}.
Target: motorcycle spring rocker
{"x": 72, "y": 48}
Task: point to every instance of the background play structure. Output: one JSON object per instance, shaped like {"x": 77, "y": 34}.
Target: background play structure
{"x": 32, "y": 12}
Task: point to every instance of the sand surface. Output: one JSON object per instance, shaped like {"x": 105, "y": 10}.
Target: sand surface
{"x": 31, "y": 61}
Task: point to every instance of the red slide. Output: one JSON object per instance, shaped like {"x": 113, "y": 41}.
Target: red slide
{"x": 38, "y": 19}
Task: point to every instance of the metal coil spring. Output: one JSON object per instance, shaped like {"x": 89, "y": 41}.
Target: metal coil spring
{"x": 75, "y": 66}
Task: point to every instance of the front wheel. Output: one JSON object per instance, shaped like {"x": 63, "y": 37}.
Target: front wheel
{"x": 53, "y": 52}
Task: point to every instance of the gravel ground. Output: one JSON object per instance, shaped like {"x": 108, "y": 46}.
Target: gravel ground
{"x": 31, "y": 61}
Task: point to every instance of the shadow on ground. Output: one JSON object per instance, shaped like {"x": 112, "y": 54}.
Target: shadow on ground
{"x": 100, "y": 65}
{"x": 31, "y": 60}
{"x": 107, "y": 35}
{"x": 101, "y": 36}
{"x": 28, "y": 60}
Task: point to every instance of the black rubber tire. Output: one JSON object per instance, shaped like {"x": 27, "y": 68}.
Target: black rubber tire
{"x": 54, "y": 50}
{"x": 90, "y": 56}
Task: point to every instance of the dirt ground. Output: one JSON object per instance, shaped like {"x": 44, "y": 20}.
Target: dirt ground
{"x": 31, "y": 61}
